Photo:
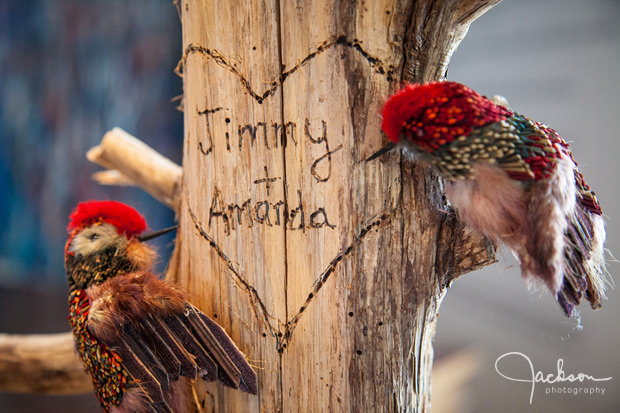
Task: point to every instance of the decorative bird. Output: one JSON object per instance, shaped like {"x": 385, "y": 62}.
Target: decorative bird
{"x": 137, "y": 336}
{"x": 511, "y": 178}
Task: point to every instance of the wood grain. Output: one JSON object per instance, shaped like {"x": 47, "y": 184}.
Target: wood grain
{"x": 132, "y": 162}
{"x": 326, "y": 270}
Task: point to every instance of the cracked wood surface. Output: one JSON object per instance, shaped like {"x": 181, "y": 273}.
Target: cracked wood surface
{"x": 258, "y": 306}
{"x": 276, "y": 83}
{"x": 327, "y": 271}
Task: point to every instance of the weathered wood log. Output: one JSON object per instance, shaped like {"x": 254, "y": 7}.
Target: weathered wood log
{"x": 327, "y": 271}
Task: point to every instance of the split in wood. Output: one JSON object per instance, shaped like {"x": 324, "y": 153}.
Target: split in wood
{"x": 259, "y": 308}
{"x": 223, "y": 62}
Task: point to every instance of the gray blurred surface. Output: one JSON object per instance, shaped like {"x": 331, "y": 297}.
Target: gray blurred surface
{"x": 557, "y": 61}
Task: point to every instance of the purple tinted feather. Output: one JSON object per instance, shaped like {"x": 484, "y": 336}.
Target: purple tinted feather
{"x": 566, "y": 306}
{"x": 206, "y": 365}
{"x": 187, "y": 365}
{"x": 248, "y": 377}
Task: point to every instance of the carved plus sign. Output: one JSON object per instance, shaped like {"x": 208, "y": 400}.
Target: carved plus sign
{"x": 266, "y": 180}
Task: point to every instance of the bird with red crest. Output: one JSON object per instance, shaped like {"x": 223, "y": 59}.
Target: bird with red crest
{"x": 511, "y": 178}
{"x": 138, "y": 337}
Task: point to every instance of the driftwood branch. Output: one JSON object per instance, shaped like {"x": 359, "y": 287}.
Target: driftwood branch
{"x": 132, "y": 162}
{"x": 451, "y": 378}
{"x": 44, "y": 364}
{"x": 112, "y": 177}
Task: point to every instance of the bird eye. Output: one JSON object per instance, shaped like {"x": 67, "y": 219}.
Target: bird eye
{"x": 93, "y": 236}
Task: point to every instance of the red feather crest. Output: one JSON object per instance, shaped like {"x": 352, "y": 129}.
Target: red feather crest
{"x": 433, "y": 114}
{"x": 126, "y": 219}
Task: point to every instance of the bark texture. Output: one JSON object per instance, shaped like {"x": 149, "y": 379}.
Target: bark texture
{"x": 326, "y": 270}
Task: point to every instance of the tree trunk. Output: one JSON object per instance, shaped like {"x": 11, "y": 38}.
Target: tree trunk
{"x": 326, "y": 270}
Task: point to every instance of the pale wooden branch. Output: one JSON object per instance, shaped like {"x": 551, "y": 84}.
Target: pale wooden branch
{"x": 136, "y": 163}
{"x": 452, "y": 376}
{"x": 41, "y": 363}
{"x": 112, "y": 177}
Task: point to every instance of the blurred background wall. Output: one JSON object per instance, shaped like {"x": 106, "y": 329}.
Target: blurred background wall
{"x": 71, "y": 70}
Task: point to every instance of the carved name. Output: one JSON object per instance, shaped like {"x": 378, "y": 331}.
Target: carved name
{"x": 265, "y": 212}
{"x": 269, "y": 135}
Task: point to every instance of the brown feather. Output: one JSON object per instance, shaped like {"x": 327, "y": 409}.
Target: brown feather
{"x": 161, "y": 297}
{"x": 130, "y": 297}
{"x": 140, "y": 254}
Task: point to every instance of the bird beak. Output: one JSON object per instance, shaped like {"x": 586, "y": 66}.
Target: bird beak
{"x": 156, "y": 234}
{"x": 381, "y": 151}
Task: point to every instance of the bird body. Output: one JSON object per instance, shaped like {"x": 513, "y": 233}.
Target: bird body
{"x": 513, "y": 179}
{"x": 138, "y": 337}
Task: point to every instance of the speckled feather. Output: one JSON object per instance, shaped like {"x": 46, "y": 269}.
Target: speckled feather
{"x": 138, "y": 337}
{"x": 510, "y": 177}
{"x": 100, "y": 362}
